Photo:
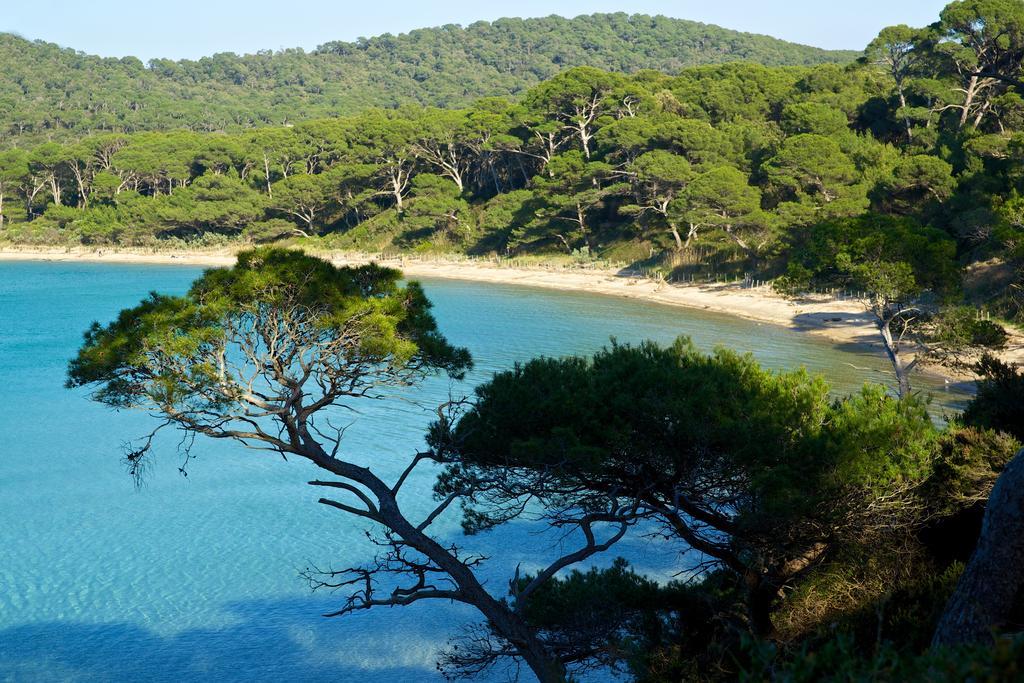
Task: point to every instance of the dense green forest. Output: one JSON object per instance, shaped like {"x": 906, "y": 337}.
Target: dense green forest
{"x": 910, "y": 156}
{"x": 48, "y": 92}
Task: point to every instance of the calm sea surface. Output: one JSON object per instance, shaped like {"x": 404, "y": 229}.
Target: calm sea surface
{"x": 196, "y": 578}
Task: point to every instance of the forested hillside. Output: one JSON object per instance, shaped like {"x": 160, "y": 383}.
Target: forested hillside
{"x": 49, "y": 92}
{"x": 911, "y": 156}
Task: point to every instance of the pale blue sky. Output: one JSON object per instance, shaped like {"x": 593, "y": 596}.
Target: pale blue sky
{"x": 193, "y": 28}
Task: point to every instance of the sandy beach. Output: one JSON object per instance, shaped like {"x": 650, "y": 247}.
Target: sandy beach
{"x": 843, "y": 321}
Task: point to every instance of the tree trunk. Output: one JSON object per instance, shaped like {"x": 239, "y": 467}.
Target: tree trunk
{"x": 55, "y": 190}
{"x": 761, "y": 597}
{"x": 903, "y": 387}
{"x": 506, "y": 623}
{"x": 899, "y": 364}
{"x": 581, "y": 220}
{"x": 30, "y": 198}
{"x": 969, "y": 94}
{"x": 981, "y": 113}
{"x": 266, "y": 175}
{"x": 552, "y": 148}
{"x": 676, "y": 236}
{"x": 398, "y": 182}
{"x": 83, "y": 196}
{"x": 448, "y": 162}
{"x": 585, "y": 140}
{"x": 494, "y": 177}
{"x": 994, "y": 577}
{"x": 906, "y": 120}
{"x": 522, "y": 171}
{"x": 740, "y": 242}
{"x": 765, "y": 588}
{"x": 691, "y": 233}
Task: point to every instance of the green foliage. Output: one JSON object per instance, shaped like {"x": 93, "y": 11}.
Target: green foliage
{"x": 303, "y": 196}
{"x": 967, "y": 463}
{"x": 657, "y": 631}
{"x": 894, "y": 257}
{"x": 812, "y": 170}
{"x": 665, "y": 419}
{"x": 593, "y": 597}
{"x": 999, "y": 403}
{"x": 869, "y": 423}
{"x": 721, "y": 198}
{"x": 813, "y": 118}
{"x": 677, "y": 401}
{"x": 960, "y": 327}
{"x": 449, "y": 66}
{"x": 164, "y": 351}
{"x": 917, "y": 183}
{"x": 770, "y": 149}
{"x": 14, "y": 170}
{"x": 613, "y": 609}
{"x": 841, "y": 661}
{"x": 213, "y": 203}
{"x": 882, "y": 599}
{"x": 830, "y": 500}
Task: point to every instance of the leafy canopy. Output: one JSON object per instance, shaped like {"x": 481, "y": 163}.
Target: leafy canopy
{"x": 752, "y": 450}
{"x": 186, "y": 354}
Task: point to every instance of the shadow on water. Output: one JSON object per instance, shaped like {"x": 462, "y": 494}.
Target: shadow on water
{"x": 273, "y": 641}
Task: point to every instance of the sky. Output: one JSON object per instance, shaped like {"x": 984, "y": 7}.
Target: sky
{"x": 190, "y": 29}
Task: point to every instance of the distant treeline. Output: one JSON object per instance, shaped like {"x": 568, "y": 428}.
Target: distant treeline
{"x": 48, "y": 92}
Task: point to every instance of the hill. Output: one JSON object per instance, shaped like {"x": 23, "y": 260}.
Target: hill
{"x": 50, "y": 92}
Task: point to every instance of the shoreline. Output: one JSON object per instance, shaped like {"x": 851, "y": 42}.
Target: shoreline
{"x": 837, "y": 321}
{"x": 759, "y": 305}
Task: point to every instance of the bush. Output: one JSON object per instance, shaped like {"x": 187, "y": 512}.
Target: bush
{"x": 840, "y": 661}
{"x": 999, "y": 403}
{"x": 968, "y": 462}
{"x": 959, "y": 327}
{"x": 40, "y": 232}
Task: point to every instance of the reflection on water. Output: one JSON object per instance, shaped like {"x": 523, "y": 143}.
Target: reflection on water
{"x": 196, "y": 578}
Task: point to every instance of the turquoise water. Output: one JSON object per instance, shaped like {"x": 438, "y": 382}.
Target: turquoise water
{"x": 196, "y": 578}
